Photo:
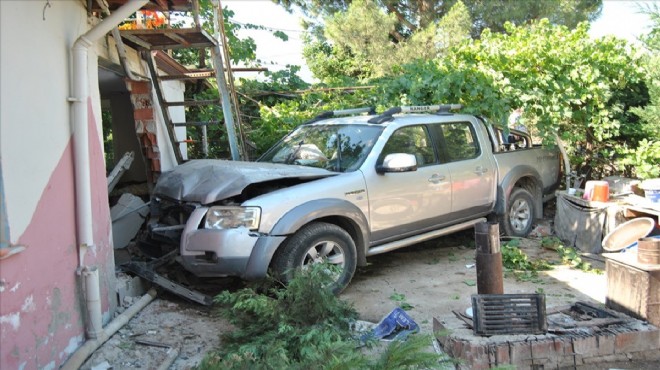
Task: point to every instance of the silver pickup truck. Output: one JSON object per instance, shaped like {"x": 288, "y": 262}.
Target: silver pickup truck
{"x": 348, "y": 185}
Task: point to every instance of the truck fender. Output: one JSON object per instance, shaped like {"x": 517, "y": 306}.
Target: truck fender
{"x": 534, "y": 186}
{"x": 305, "y": 213}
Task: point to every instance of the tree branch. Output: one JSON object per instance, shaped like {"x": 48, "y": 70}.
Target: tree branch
{"x": 401, "y": 18}
{"x": 397, "y": 35}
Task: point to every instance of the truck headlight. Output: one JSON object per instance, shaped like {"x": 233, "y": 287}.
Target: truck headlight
{"x": 232, "y": 217}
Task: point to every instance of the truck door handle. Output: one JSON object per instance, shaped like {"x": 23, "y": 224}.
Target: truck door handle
{"x": 480, "y": 170}
{"x": 437, "y": 178}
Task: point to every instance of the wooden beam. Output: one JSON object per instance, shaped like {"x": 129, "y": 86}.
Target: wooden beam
{"x": 197, "y": 45}
{"x": 176, "y": 38}
{"x": 136, "y": 40}
{"x": 189, "y": 76}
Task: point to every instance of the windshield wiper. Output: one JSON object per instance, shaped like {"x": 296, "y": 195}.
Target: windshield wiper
{"x": 291, "y": 158}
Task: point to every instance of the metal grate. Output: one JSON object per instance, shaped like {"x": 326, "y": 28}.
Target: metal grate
{"x": 509, "y": 314}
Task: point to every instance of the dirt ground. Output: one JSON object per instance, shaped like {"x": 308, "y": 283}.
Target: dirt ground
{"x": 431, "y": 279}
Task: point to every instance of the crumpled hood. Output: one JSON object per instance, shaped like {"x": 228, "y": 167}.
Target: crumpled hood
{"x": 206, "y": 181}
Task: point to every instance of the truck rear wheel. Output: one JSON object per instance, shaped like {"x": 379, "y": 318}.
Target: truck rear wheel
{"x": 318, "y": 242}
{"x": 519, "y": 216}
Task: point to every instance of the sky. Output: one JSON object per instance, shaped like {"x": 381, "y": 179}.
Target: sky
{"x": 620, "y": 18}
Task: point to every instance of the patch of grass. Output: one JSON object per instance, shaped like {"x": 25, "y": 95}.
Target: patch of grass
{"x": 400, "y": 300}
{"x": 126, "y": 345}
{"x": 570, "y": 256}
{"x": 515, "y": 259}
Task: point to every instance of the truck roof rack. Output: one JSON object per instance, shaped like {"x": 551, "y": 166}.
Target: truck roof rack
{"x": 438, "y": 109}
{"x": 343, "y": 112}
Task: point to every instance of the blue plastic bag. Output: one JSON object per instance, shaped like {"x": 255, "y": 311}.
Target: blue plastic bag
{"x": 397, "y": 325}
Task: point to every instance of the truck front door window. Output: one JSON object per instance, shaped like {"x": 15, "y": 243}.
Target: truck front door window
{"x": 410, "y": 140}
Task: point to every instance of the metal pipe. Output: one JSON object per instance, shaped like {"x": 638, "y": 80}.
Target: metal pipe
{"x": 489, "y": 258}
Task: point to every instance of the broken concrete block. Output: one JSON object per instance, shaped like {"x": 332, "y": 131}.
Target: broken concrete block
{"x": 127, "y": 218}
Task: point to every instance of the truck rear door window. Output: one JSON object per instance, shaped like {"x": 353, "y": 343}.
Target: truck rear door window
{"x": 460, "y": 141}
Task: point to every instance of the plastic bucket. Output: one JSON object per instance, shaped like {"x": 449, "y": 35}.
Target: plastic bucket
{"x": 653, "y": 195}
{"x": 597, "y": 191}
{"x": 626, "y": 235}
{"x": 652, "y": 190}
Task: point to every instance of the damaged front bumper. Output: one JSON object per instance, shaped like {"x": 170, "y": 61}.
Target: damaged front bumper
{"x": 225, "y": 252}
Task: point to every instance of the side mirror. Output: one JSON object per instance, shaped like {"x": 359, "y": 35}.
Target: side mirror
{"x": 398, "y": 162}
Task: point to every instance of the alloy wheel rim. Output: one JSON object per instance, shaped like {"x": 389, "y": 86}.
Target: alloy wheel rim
{"x": 520, "y": 214}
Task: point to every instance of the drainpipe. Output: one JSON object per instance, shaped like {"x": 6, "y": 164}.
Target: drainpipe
{"x": 80, "y": 96}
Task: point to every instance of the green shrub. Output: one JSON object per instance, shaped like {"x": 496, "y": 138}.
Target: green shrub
{"x": 302, "y": 326}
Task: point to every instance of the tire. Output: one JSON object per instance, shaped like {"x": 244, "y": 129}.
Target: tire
{"x": 518, "y": 218}
{"x": 315, "y": 243}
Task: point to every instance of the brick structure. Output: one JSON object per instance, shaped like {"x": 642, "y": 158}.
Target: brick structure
{"x": 633, "y": 340}
{"x": 145, "y": 125}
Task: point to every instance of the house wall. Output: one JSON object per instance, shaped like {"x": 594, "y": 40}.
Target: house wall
{"x": 41, "y": 321}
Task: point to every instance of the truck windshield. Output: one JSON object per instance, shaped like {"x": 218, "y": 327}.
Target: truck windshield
{"x": 339, "y": 148}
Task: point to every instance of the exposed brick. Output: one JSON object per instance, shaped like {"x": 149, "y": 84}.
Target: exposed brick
{"x": 139, "y": 87}
{"x": 544, "y": 352}
{"x": 586, "y": 346}
{"x": 569, "y": 357}
{"x": 559, "y": 346}
{"x": 143, "y": 114}
{"x": 466, "y": 349}
{"x": 502, "y": 354}
{"x": 477, "y": 356}
{"x": 520, "y": 353}
{"x": 456, "y": 348}
{"x": 155, "y": 165}
{"x": 605, "y": 344}
{"x": 637, "y": 341}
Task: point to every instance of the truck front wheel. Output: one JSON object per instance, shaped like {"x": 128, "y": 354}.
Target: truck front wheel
{"x": 318, "y": 242}
{"x": 519, "y": 215}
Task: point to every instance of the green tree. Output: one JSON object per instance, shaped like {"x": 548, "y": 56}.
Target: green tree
{"x": 363, "y": 45}
{"x": 644, "y": 156}
{"x": 565, "y": 82}
{"x": 412, "y": 15}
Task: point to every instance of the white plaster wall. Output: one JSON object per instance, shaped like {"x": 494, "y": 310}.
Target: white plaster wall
{"x": 35, "y": 122}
